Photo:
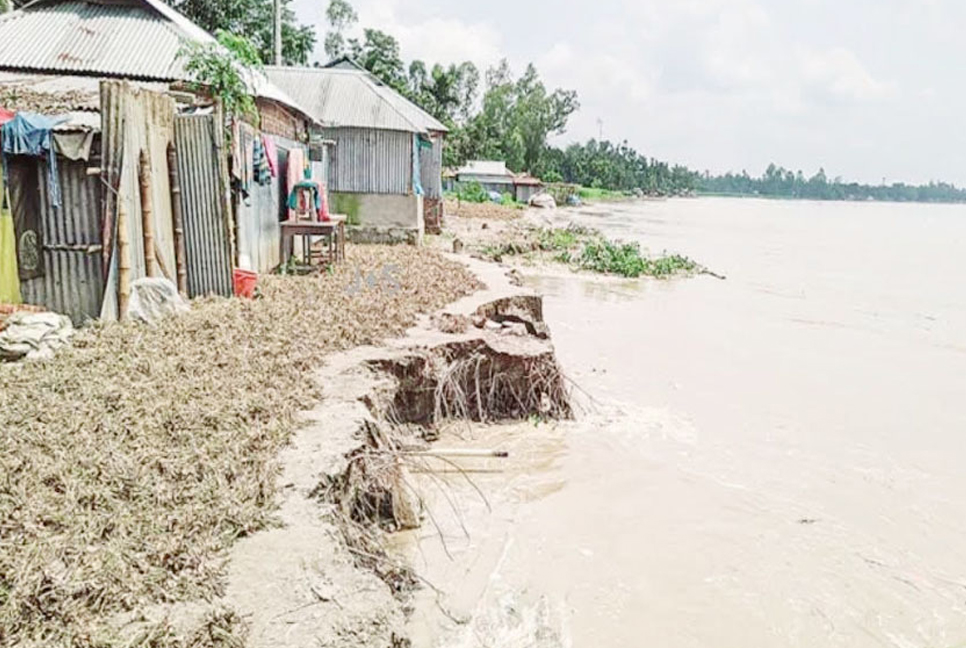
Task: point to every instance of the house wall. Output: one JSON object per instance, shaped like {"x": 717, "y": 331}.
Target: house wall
{"x": 525, "y": 192}
{"x": 259, "y": 218}
{"x": 73, "y": 282}
{"x": 431, "y": 168}
{"x": 499, "y": 184}
{"x": 379, "y": 218}
{"x": 278, "y": 120}
{"x": 369, "y": 161}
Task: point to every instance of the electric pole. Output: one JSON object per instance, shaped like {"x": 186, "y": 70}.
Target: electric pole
{"x": 278, "y": 32}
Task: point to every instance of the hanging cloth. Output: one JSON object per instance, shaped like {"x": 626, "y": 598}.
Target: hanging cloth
{"x": 294, "y": 174}
{"x": 30, "y": 134}
{"x": 263, "y": 175}
{"x": 9, "y": 277}
{"x": 271, "y": 154}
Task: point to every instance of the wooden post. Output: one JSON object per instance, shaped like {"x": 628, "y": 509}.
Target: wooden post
{"x": 123, "y": 258}
{"x": 147, "y": 216}
{"x": 180, "y": 256}
{"x": 224, "y": 184}
{"x": 277, "y": 40}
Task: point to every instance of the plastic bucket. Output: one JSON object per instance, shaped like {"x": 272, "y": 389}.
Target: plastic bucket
{"x": 244, "y": 282}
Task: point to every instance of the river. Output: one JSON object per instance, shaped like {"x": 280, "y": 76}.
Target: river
{"x": 775, "y": 459}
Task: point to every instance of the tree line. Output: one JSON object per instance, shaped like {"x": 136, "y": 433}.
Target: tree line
{"x": 779, "y": 182}
{"x": 497, "y": 115}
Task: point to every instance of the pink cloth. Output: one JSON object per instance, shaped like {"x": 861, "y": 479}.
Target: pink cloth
{"x": 271, "y": 155}
{"x": 295, "y": 174}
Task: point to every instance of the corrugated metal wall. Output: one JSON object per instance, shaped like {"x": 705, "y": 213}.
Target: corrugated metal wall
{"x": 206, "y": 232}
{"x": 73, "y": 282}
{"x": 135, "y": 120}
{"x": 431, "y": 168}
{"x": 370, "y": 161}
{"x": 259, "y": 230}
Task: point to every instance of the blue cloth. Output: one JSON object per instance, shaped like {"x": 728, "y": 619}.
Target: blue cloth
{"x": 417, "y": 183}
{"x": 31, "y": 134}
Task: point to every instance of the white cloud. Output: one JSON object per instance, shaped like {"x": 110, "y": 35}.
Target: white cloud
{"x": 866, "y": 88}
{"x": 839, "y": 74}
{"x": 434, "y": 39}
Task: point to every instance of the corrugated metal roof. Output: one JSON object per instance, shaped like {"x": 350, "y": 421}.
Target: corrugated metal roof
{"x": 129, "y": 39}
{"x": 485, "y": 167}
{"x": 345, "y": 98}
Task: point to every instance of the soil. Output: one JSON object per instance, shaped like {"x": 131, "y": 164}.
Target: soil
{"x": 310, "y": 581}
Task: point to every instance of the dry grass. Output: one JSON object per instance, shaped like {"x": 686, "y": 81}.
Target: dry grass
{"x": 488, "y": 211}
{"x": 129, "y": 463}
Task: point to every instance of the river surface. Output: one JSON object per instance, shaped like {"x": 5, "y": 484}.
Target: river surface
{"x": 777, "y": 459}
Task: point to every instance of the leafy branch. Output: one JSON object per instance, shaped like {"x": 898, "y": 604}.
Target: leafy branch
{"x": 225, "y": 70}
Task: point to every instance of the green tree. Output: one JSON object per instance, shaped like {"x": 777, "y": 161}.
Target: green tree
{"x": 340, "y": 16}
{"x": 223, "y": 70}
{"x": 253, "y": 19}
{"x": 379, "y": 53}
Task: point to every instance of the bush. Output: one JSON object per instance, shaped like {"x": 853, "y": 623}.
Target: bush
{"x": 473, "y": 192}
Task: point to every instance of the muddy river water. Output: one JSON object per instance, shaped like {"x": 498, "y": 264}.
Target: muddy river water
{"x": 778, "y": 459}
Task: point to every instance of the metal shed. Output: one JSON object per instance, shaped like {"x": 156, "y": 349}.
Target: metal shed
{"x": 384, "y": 169}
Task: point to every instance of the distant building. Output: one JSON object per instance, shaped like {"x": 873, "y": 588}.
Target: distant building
{"x": 385, "y": 167}
{"x": 493, "y": 175}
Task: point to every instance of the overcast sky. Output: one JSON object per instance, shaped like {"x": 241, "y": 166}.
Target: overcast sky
{"x": 869, "y": 89}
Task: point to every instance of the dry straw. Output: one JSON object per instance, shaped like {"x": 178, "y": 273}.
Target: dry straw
{"x": 132, "y": 461}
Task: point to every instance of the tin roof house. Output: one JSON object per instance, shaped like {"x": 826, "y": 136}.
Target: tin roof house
{"x": 54, "y": 56}
{"x": 493, "y": 176}
{"x": 384, "y": 169}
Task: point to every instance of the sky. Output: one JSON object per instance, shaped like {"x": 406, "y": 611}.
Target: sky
{"x": 869, "y": 90}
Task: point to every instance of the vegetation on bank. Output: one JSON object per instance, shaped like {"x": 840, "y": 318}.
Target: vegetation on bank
{"x": 583, "y": 248}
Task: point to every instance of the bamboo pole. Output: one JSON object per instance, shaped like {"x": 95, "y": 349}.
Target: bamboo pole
{"x": 123, "y": 258}
{"x": 180, "y": 256}
{"x": 147, "y": 216}
{"x": 468, "y": 452}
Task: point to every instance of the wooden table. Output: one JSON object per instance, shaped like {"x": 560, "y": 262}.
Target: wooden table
{"x": 332, "y": 230}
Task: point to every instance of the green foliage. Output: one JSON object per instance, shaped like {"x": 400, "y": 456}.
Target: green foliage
{"x": 779, "y": 182}
{"x": 243, "y": 49}
{"x": 222, "y": 70}
{"x": 596, "y": 193}
{"x": 587, "y": 249}
{"x": 340, "y": 16}
{"x": 472, "y": 192}
{"x": 253, "y": 19}
{"x": 625, "y": 259}
{"x": 619, "y": 168}
{"x": 516, "y": 119}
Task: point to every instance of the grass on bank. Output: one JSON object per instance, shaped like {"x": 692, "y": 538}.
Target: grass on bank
{"x": 587, "y": 249}
{"x": 133, "y": 460}
{"x": 594, "y": 193}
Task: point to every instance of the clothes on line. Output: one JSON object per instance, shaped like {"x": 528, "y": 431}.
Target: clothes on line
{"x": 31, "y": 134}
{"x": 308, "y": 197}
{"x": 295, "y": 173}
{"x": 263, "y": 174}
{"x": 271, "y": 155}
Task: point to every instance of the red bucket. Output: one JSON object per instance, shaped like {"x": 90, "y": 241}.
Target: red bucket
{"x": 244, "y": 282}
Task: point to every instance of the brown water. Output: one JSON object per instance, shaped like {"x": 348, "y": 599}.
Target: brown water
{"x": 772, "y": 460}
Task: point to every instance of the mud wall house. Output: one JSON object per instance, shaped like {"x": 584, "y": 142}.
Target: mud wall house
{"x": 54, "y": 54}
{"x": 385, "y": 164}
